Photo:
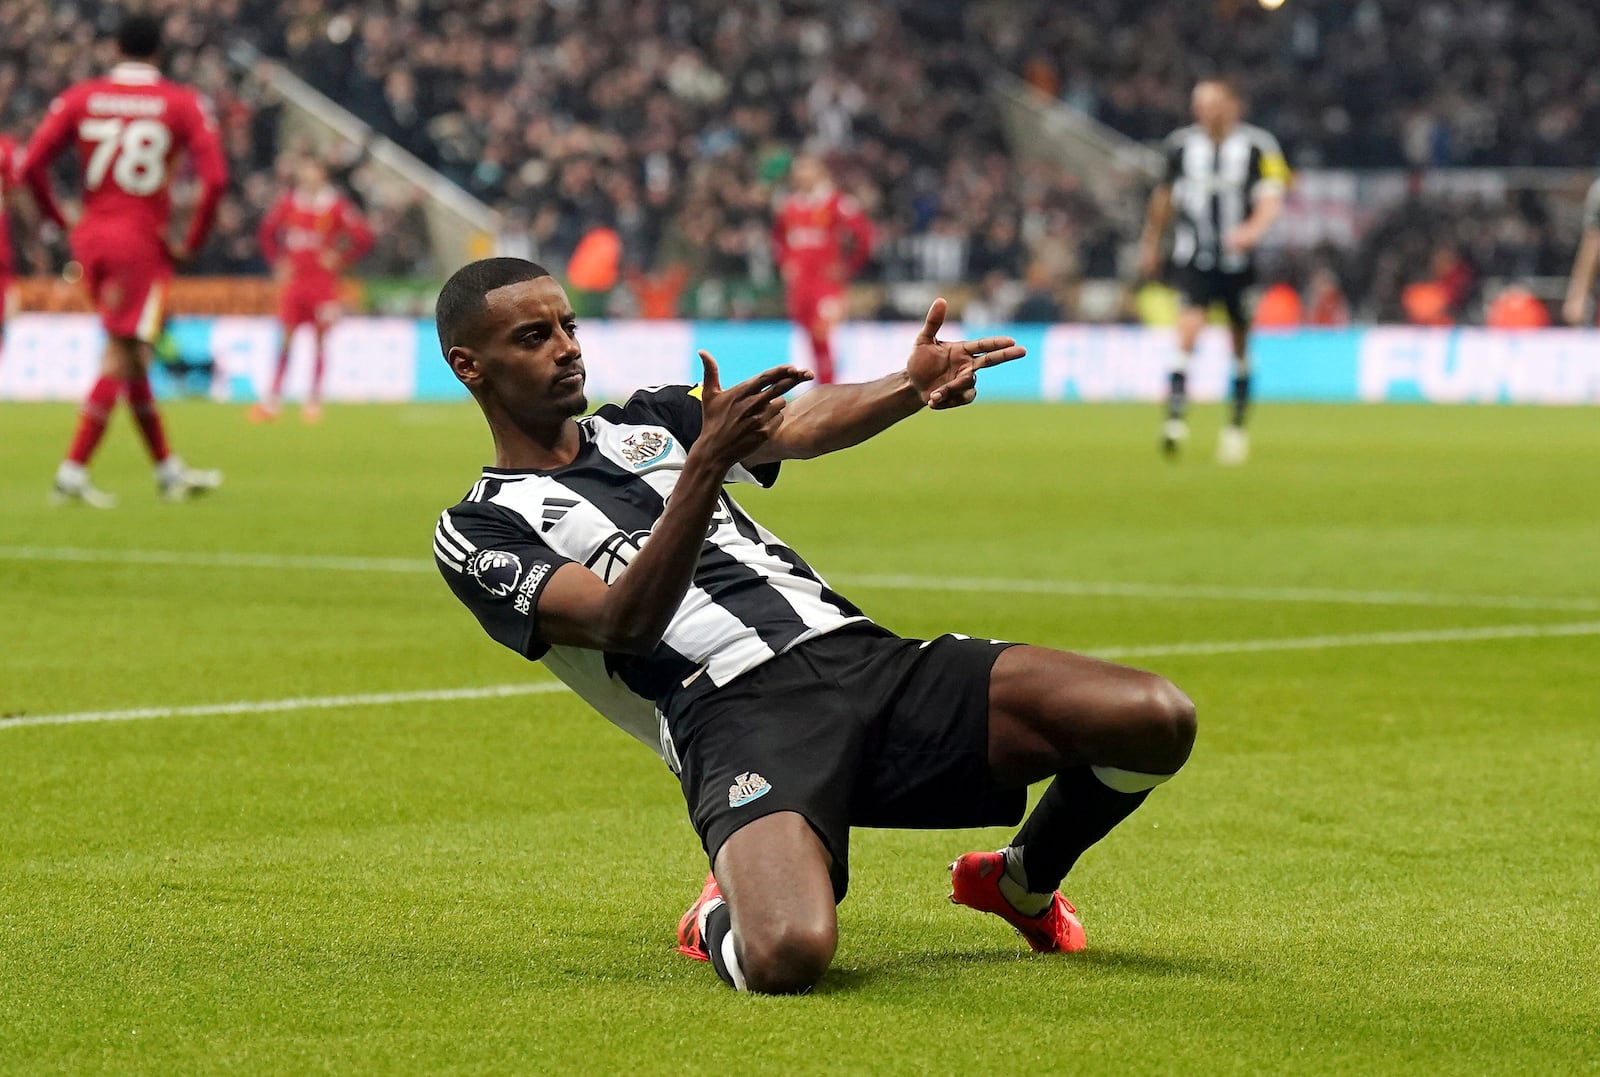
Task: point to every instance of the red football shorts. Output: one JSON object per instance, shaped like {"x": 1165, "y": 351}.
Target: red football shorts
{"x": 312, "y": 302}
{"x": 126, "y": 271}
{"x": 815, "y": 303}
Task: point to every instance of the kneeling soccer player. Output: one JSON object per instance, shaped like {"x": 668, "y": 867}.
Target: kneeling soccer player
{"x": 607, "y": 548}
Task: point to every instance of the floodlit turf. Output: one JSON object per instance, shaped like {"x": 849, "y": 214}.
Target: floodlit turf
{"x": 1382, "y": 858}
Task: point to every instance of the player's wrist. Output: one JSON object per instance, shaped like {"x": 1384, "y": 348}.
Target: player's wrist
{"x": 903, "y": 389}
{"x": 705, "y": 467}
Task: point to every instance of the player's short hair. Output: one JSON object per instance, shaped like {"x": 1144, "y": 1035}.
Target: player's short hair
{"x": 462, "y": 300}
{"x": 1228, "y": 83}
{"x": 139, "y": 37}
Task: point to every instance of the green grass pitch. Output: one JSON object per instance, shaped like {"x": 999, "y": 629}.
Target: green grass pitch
{"x": 1383, "y": 857}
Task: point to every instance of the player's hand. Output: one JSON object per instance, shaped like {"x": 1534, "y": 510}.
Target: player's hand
{"x": 739, "y": 420}
{"x": 178, "y": 252}
{"x": 1575, "y": 309}
{"x": 1240, "y": 240}
{"x": 946, "y": 373}
{"x": 330, "y": 261}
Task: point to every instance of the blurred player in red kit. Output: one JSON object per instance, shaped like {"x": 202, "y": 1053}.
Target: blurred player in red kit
{"x": 129, "y": 128}
{"x": 8, "y": 174}
{"x": 309, "y": 236}
{"x": 821, "y": 239}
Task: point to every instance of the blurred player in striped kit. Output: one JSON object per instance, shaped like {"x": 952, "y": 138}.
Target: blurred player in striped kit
{"x": 1224, "y": 182}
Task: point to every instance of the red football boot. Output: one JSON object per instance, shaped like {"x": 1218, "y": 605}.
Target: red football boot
{"x": 692, "y": 923}
{"x": 975, "y": 883}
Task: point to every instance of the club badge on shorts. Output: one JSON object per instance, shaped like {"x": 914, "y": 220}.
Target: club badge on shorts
{"x": 747, "y": 787}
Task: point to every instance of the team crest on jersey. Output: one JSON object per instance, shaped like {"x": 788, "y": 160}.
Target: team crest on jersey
{"x": 747, "y": 787}
{"x": 645, "y": 447}
{"x": 496, "y": 571}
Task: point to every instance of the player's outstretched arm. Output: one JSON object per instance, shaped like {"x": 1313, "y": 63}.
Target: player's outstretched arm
{"x": 578, "y": 608}
{"x": 938, "y": 374}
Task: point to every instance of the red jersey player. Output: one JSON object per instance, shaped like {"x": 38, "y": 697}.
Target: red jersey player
{"x": 820, "y": 240}
{"x": 129, "y": 128}
{"x": 8, "y": 173}
{"x": 309, "y": 236}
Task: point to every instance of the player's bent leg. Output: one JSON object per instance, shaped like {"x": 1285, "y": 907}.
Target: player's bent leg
{"x": 1109, "y": 734}
{"x": 782, "y": 929}
{"x": 1050, "y": 710}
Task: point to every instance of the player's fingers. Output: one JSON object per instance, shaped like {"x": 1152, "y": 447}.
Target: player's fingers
{"x": 984, "y": 351}
{"x": 771, "y": 418}
{"x": 776, "y": 390}
{"x": 935, "y": 319}
{"x": 987, "y": 357}
{"x": 786, "y": 376}
{"x": 940, "y": 397}
{"x": 709, "y": 383}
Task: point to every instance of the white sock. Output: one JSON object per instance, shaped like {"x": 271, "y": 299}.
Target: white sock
{"x": 169, "y": 469}
{"x": 72, "y": 475}
{"x": 730, "y": 961}
{"x": 1014, "y": 886}
{"x": 1128, "y": 781}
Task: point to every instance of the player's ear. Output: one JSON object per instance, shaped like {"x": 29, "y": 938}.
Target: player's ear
{"x": 464, "y": 364}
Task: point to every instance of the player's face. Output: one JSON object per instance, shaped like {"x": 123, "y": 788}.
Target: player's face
{"x": 1213, "y": 105}
{"x": 528, "y": 357}
{"x": 312, "y": 176}
{"x": 807, "y": 173}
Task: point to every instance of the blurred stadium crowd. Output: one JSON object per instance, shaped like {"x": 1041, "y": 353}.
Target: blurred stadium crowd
{"x": 672, "y": 121}
{"x": 1347, "y": 83}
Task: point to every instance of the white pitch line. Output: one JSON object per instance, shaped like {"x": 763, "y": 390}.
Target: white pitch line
{"x": 1363, "y": 639}
{"x": 1329, "y": 596}
{"x": 408, "y": 565}
{"x": 1158, "y": 650}
{"x": 977, "y": 584}
{"x": 305, "y": 703}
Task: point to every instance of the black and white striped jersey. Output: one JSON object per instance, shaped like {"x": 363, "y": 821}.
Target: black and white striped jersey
{"x": 752, "y": 597}
{"x": 1215, "y": 186}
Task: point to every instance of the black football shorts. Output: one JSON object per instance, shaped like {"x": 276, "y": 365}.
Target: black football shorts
{"x": 1204, "y": 287}
{"x": 855, "y": 728}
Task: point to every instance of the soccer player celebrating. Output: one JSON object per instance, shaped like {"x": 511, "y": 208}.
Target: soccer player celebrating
{"x": 607, "y": 547}
{"x": 1581, "y": 286}
{"x": 1227, "y": 181}
{"x": 310, "y": 236}
{"x": 820, "y": 240}
{"x": 129, "y": 128}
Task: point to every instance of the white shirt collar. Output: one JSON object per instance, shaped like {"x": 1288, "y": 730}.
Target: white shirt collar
{"x": 135, "y": 72}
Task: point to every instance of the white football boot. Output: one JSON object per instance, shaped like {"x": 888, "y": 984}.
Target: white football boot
{"x": 1233, "y": 446}
{"x": 177, "y": 481}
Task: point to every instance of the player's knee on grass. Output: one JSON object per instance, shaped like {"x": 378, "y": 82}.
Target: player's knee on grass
{"x": 785, "y": 956}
